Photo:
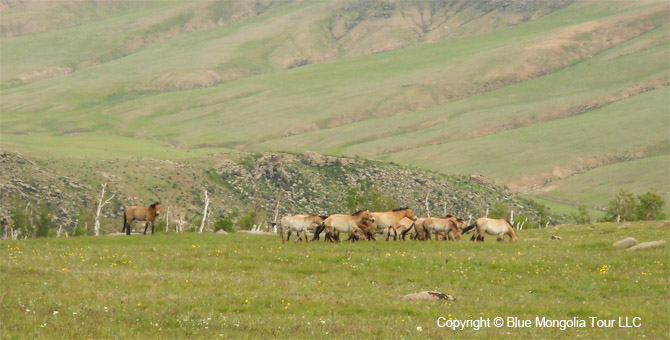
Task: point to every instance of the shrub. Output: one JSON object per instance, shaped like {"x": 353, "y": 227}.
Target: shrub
{"x": 650, "y": 207}
{"x": 582, "y": 215}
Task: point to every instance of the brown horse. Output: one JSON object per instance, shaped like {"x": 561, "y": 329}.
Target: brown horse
{"x": 299, "y": 223}
{"x": 350, "y": 224}
{"x": 147, "y": 214}
{"x": 491, "y": 226}
{"x": 390, "y": 220}
{"x": 448, "y": 225}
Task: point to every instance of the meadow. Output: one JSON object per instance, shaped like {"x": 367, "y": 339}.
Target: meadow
{"x": 192, "y": 285}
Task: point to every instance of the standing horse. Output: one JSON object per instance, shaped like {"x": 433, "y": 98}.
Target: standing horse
{"x": 491, "y": 226}
{"x": 389, "y": 220}
{"x": 147, "y": 214}
{"x": 299, "y": 223}
{"x": 350, "y": 224}
{"x": 448, "y": 225}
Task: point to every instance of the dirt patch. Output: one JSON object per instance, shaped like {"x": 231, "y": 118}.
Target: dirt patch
{"x": 46, "y": 73}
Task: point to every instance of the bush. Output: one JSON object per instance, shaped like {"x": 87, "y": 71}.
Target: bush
{"x": 582, "y": 215}
{"x": 44, "y": 220}
{"x": 650, "y": 207}
{"x": 247, "y": 221}
{"x": 627, "y": 207}
{"x": 226, "y": 223}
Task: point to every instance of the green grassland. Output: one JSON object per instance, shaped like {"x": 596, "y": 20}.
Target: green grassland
{"x": 251, "y": 286}
{"x": 533, "y": 96}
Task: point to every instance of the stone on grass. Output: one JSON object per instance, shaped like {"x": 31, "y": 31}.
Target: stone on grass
{"x": 558, "y": 238}
{"x": 645, "y": 245}
{"x": 625, "y": 243}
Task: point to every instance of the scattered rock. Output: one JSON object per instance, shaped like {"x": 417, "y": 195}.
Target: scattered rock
{"x": 429, "y": 296}
{"x": 221, "y": 232}
{"x": 665, "y": 224}
{"x": 480, "y": 178}
{"x": 625, "y": 243}
{"x": 645, "y": 245}
{"x": 558, "y": 238}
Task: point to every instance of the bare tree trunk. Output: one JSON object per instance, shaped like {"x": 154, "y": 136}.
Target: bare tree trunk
{"x": 181, "y": 223}
{"x": 511, "y": 217}
{"x": 167, "y": 216}
{"x": 469, "y": 219}
{"x": 274, "y": 220}
{"x": 427, "y": 210}
{"x": 487, "y": 212}
{"x": 96, "y": 226}
{"x": 445, "y": 208}
{"x": 204, "y": 213}
{"x": 60, "y": 229}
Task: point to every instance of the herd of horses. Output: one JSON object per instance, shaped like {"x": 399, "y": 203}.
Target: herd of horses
{"x": 362, "y": 225}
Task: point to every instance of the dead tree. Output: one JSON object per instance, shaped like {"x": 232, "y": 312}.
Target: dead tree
{"x": 204, "y": 212}
{"x": 167, "y": 216}
{"x": 96, "y": 226}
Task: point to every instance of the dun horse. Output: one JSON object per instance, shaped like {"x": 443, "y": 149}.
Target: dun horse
{"x": 147, "y": 214}
{"x": 448, "y": 225}
{"x": 299, "y": 223}
{"x": 491, "y": 226}
{"x": 390, "y": 220}
{"x": 349, "y": 224}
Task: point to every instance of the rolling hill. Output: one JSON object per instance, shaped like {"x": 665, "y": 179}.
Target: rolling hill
{"x": 564, "y": 100}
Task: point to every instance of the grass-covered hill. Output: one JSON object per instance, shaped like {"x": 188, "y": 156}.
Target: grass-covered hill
{"x": 238, "y": 183}
{"x": 565, "y": 100}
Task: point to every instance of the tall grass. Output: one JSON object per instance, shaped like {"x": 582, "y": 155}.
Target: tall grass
{"x": 248, "y": 286}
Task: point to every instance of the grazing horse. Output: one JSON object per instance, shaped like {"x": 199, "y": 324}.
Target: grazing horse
{"x": 350, "y": 224}
{"x": 448, "y": 225}
{"x": 417, "y": 231}
{"x": 491, "y": 226}
{"x": 389, "y": 220}
{"x": 299, "y": 223}
{"x": 147, "y": 214}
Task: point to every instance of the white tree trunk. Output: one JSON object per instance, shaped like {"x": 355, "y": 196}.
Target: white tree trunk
{"x": 96, "y": 226}
{"x": 511, "y": 217}
{"x": 167, "y": 217}
{"x": 204, "y": 213}
{"x": 487, "y": 212}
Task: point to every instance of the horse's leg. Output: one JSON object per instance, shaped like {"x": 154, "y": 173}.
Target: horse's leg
{"x": 288, "y": 237}
{"x": 152, "y": 226}
{"x": 501, "y": 237}
{"x": 146, "y": 225}
{"x": 306, "y": 239}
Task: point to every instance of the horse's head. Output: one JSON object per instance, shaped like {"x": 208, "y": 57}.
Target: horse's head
{"x": 317, "y": 220}
{"x": 156, "y": 207}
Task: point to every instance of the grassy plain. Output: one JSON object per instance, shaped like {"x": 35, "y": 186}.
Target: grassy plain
{"x": 250, "y": 286}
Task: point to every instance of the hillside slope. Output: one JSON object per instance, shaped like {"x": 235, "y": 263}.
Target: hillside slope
{"x": 308, "y": 183}
{"x": 528, "y": 93}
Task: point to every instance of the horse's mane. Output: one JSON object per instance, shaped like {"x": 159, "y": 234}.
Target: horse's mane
{"x": 449, "y": 215}
{"x": 399, "y": 209}
{"x": 324, "y": 216}
{"x": 357, "y": 213}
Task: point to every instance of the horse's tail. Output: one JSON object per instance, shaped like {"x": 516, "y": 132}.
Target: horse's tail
{"x": 468, "y": 228}
{"x": 125, "y": 222}
{"x": 318, "y": 231}
{"x": 404, "y": 232}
